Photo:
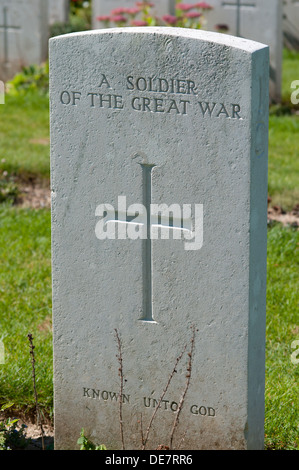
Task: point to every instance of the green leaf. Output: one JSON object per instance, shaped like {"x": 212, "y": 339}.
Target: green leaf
{"x": 7, "y": 405}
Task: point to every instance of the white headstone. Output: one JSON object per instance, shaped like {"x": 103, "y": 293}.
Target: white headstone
{"x": 291, "y": 23}
{"x": 59, "y": 11}
{"x": 23, "y": 35}
{"x": 178, "y": 118}
{"x": 259, "y": 20}
{"x": 104, "y": 7}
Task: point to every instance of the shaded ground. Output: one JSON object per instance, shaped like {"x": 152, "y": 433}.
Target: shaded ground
{"x": 276, "y": 213}
{"x": 33, "y": 432}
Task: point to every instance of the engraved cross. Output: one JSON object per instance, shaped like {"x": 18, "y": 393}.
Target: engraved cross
{"x": 153, "y": 223}
{"x": 150, "y": 219}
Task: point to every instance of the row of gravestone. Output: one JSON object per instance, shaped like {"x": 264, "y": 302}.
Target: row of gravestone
{"x": 24, "y": 32}
{"x": 24, "y": 27}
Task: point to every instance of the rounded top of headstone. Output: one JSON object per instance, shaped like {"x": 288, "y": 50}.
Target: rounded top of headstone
{"x": 187, "y": 33}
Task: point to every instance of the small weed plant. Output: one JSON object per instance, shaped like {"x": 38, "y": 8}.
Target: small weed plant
{"x": 12, "y": 438}
{"x": 86, "y": 444}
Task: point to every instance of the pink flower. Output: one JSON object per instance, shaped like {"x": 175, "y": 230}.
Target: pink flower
{"x": 118, "y": 11}
{"x": 103, "y": 18}
{"x": 184, "y": 6}
{"x": 170, "y": 19}
{"x": 204, "y": 6}
{"x": 118, "y": 19}
{"x": 192, "y": 14}
{"x": 139, "y": 23}
{"x": 132, "y": 11}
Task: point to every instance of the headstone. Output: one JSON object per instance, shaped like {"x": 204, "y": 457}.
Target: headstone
{"x": 23, "y": 35}
{"x": 159, "y": 226}
{"x": 104, "y": 7}
{"x": 291, "y": 23}
{"x": 59, "y": 11}
{"x": 259, "y": 20}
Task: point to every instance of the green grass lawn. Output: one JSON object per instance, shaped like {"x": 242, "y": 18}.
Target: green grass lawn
{"x": 283, "y": 177}
{"x": 290, "y": 72}
{"x": 24, "y": 136}
{"x": 25, "y": 257}
{"x": 283, "y": 140}
{"x": 25, "y": 304}
{"x": 282, "y": 398}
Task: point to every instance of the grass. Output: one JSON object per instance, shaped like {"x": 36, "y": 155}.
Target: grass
{"x": 282, "y": 399}
{"x": 290, "y": 72}
{"x": 25, "y": 276}
{"x": 283, "y": 184}
{"x": 24, "y": 136}
{"x": 25, "y": 304}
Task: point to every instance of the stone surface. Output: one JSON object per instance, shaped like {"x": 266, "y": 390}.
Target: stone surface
{"x": 259, "y": 20}
{"x": 59, "y": 11}
{"x": 291, "y": 23}
{"x": 23, "y": 35}
{"x": 159, "y": 116}
{"x": 104, "y": 7}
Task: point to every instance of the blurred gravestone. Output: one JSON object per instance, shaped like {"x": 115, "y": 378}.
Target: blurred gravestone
{"x": 291, "y": 23}
{"x": 23, "y": 35}
{"x": 259, "y": 20}
{"x": 59, "y": 11}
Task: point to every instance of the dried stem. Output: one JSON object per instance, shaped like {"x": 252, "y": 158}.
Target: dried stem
{"x": 144, "y": 441}
{"x": 121, "y": 375}
{"x": 181, "y": 402}
{"x": 141, "y": 428}
{"x": 38, "y": 413}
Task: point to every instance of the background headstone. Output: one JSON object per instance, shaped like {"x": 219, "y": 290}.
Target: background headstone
{"x": 59, "y": 11}
{"x": 259, "y": 20}
{"x": 23, "y": 35}
{"x": 159, "y": 116}
{"x": 104, "y": 7}
{"x": 291, "y": 23}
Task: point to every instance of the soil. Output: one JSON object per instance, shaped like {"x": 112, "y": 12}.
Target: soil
{"x": 34, "y": 194}
{"x": 33, "y": 432}
{"x": 277, "y": 214}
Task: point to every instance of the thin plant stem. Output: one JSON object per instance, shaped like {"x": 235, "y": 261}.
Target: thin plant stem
{"x": 183, "y": 396}
{"x": 121, "y": 375}
{"x": 38, "y": 413}
{"x": 144, "y": 442}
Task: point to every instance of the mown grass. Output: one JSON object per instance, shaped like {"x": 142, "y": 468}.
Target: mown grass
{"x": 283, "y": 187}
{"x": 25, "y": 304}
{"x": 282, "y": 399}
{"x": 24, "y": 136}
{"x": 290, "y": 72}
{"x": 283, "y": 140}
